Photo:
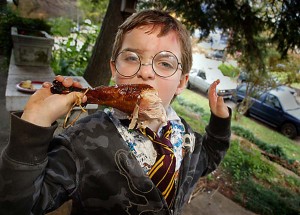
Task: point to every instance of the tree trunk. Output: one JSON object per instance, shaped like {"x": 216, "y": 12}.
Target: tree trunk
{"x": 98, "y": 70}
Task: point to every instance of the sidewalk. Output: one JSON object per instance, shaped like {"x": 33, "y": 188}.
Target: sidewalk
{"x": 205, "y": 203}
{"x": 213, "y": 203}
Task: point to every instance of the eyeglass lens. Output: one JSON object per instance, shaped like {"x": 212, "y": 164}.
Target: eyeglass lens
{"x": 164, "y": 63}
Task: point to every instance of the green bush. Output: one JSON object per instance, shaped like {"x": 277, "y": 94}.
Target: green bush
{"x": 193, "y": 114}
{"x": 229, "y": 70}
{"x": 9, "y": 18}
{"x": 61, "y": 26}
{"x": 272, "y": 200}
{"x": 258, "y": 185}
{"x": 72, "y": 53}
{"x": 274, "y": 150}
{"x": 244, "y": 162}
{"x": 193, "y": 107}
{"x": 240, "y": 131}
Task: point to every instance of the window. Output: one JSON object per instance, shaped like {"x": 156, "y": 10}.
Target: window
{"x": 272, "y": 101}
{"x": 202, "y": 75}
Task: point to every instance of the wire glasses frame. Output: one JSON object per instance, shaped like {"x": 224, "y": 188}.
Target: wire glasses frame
{"x": 164, "y": 64}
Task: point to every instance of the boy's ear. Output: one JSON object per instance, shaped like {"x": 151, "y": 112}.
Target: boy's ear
{"x": 112, "y": 69}
{"x": 182, "y": 84}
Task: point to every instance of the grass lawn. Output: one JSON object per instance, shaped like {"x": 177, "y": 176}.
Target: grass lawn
{"x": 270, "y": 136}
{"x": 245, "y": 175}
{"x": 196, "y": 121}
{"x": 260, "y": 131}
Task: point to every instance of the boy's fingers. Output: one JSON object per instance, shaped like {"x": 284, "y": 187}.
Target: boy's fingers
{"x": 213, "y": 87}
{"x": 46, "y": 85}
{"x": 222, "y": 108}
{"x": 59, "y": 78}
{"x": 76, "y": 97}
{"x": 77, "y": 84}
{"x": 220, "y": 101}
{"x": 68, "y": 81}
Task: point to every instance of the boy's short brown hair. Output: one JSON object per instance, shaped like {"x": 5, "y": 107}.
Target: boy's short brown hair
{"x": 157, "y": 19}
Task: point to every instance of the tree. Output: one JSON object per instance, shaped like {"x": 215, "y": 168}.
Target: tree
{"x": 252, "y": 25}
{"x": 287, "y": 27}
{"x": 98, "y": 69}
{"x": 93, "y": 9}
{"x": 3, "y": 3}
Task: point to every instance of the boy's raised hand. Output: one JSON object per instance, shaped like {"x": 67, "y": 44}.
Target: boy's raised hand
{"x": 216, "y": 103}
{"x": 43, "y": 108}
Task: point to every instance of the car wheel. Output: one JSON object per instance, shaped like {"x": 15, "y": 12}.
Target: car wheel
{"x": 289, "y": 130}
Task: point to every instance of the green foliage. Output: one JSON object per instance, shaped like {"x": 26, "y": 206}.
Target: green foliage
{"x": 270, "y": 136}
{"x": 274, "y": 150}
{"x": 229, "y": 70}
{"x": 244, "y": 162}
{"x": 61, "y": 26}
{"x": 192, "y": 113}
{"x": 193, "y": 107}
{"x": 240, "y": 131}
{"x": 258, "y": 185}
{"x": 285, "y": 70}
{"x": 253, "y": 28}
{"x": 268, "y": 200}
{"x": 292, "y": 181}
{"x": 8, "y": 19}
{"x": 93, "y": 9}
{"x": 71, "y": 55}
{"x": 286, "y": 27}
{"x": 193, "y": 120}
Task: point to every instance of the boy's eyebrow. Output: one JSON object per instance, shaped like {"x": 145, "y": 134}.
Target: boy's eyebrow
{"x": 138, "y": 51}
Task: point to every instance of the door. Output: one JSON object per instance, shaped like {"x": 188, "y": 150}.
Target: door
{"x": 270, "y": 110}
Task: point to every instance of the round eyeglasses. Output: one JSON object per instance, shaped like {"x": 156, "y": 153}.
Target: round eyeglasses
{"x": 164, "y": 64}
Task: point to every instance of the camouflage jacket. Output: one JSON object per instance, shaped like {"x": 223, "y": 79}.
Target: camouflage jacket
{"x": 91, "y": 164}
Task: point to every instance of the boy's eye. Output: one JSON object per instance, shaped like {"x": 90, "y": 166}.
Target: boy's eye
{"x": 165, "y": 64}
{"x": 131, "y": 58}
{"x": 128, "y": 57}
{"x": 165, "y": 61}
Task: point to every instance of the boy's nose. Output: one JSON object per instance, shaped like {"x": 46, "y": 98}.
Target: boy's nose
{"x": 146, "y": 71}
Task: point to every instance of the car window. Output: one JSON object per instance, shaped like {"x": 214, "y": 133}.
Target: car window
{"x": 242, "y": 89}
{"x": 272, "y": 101}
{"x": 255, "y": 93}
{"x": 202, "y": 75}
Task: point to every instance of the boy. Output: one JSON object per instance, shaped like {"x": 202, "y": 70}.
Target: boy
{"x": 98, "y": 163}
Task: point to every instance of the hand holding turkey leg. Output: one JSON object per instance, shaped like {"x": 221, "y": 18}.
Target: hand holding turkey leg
{"x": 43, "y": 108}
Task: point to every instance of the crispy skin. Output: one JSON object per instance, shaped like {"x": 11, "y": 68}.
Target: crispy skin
{"x": 123, "y": 97}
{"x": 139, "y": 101}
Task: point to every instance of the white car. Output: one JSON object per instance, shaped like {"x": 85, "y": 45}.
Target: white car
{"x": 202, "y": 79}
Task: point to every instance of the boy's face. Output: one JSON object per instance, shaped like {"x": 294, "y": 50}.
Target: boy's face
{"x": 147, "y": 45}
